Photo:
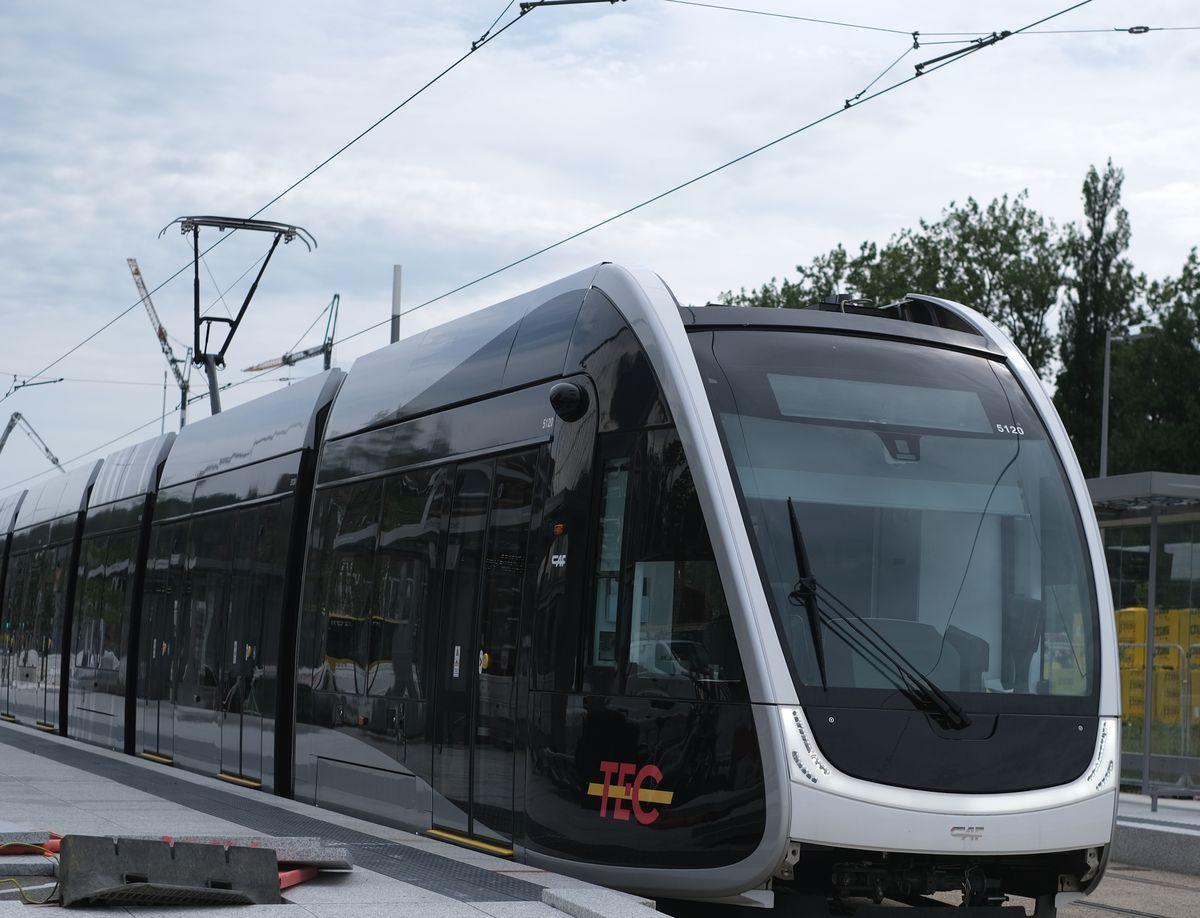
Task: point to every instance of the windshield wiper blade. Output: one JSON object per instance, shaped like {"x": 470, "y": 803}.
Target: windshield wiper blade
{"x": 805, "y": 591}
{"x": 918, "y": 687}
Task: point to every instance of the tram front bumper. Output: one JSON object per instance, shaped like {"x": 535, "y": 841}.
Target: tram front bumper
{"x": 831, "y": 808}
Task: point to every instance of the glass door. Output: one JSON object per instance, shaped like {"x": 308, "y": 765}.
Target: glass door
{"x": 485, "y": 578}
{"x": 456, "y": 667}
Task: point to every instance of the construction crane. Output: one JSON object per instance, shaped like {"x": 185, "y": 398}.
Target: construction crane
{"x": 183, "y": 376}
{"x": 18, "y": 418}
{"x": 325, "y": 347}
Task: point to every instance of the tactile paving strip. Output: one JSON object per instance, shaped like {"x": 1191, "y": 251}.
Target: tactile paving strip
{"x": 434, "y": 872}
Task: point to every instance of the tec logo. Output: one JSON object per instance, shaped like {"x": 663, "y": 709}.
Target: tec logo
{"x": 625, "y": 781}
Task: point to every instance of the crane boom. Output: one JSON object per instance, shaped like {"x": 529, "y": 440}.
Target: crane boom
{"x": 18, "y": 418}
{"x": 160, "y": 332}
{"x": 325, "y": 348}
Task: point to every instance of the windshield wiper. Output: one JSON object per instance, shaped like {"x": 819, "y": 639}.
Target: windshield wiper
{"x": 859, "y": 634}
{"x": 917, "y": 687}
{"x": 804, "y": 593}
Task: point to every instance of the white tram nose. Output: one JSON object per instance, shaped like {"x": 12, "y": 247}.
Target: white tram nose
{"x": 834, "y": 809}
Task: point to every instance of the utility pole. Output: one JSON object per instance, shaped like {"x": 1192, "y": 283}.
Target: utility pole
{"x": 18, "y": 418}
{"x": 396, "y": 273}
{"x": 182, "y": 377}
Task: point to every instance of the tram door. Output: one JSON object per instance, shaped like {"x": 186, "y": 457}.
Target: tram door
{"x": 486, "y": 552}
{"x": 244, "y": 694}
{"x": 165, "y": 594}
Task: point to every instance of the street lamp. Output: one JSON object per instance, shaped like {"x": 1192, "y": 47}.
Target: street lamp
{"x": 1108, "y": 340}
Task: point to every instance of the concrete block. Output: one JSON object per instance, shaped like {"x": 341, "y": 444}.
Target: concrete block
{"x": 98, "y": 871}
{"x": 599, "y": 903}
{"x": 290, "y": 851}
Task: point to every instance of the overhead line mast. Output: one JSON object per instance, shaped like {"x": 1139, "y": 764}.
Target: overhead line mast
{"x": 181, "y": 376}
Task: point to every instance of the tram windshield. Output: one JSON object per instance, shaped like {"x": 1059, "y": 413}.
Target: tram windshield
{"x": 936, "y": 518}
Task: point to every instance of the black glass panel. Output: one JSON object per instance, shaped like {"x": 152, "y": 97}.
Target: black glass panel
{"x": 605, "y": 347}
{"x": 409, "y": 579}
{"x": 201, "y": 637}
{"x": 499, "y": 636}
{"x": 681, "y": 638}
{"x": 165, "y": 597}
{"x": 458, "y": 657}
{"x": 542, "y": 340}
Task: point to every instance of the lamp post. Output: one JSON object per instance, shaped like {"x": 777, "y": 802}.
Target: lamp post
{"x": 1108, "y": 340}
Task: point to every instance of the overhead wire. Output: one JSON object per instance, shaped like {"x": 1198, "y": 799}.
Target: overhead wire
{"x": 220, "y": 294}
{"x": 129, "y": 433}
{"x": 886, "y": 70}
{"x": 1133, "y": 30}
{"x": 774, "y": 15}
{"x": 489, "y": 36}
{"x": 922, "y": 69}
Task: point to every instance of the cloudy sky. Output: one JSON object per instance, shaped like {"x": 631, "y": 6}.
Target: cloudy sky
{"x": 116, "y": 118}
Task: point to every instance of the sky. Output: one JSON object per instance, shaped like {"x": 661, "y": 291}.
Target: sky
{"x": 117, "y": 118}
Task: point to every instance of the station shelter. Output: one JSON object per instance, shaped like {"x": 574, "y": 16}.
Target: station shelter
{"x": 1150, "y": 522}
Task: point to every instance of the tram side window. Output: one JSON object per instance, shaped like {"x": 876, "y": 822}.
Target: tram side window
{"x": 681, "y": 638}
{"x": 407, "y": 582}
{"x": 602, "y": 646}
{"x": 659, "y": 614}
{"x": 89, "y": 606}
{"x": 337, "y": 606}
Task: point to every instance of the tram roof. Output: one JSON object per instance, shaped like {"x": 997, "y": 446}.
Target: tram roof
{"x": 132, "y": 471}
{"x": 61, "y": 495}
{"x": 887, "y": 322}
{"x": 514, "y": 343}
{"x": 9, "y": 504}
{"x": 272, "y": 425}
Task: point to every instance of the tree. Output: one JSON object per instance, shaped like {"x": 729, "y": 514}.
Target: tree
{"x": 1155, "y": 421}
{"x": 1002, "y": 259}
{"x": 1101, "y": 298}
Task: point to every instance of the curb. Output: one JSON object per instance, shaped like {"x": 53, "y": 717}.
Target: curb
{"x": 1175, "y": 852}
{"x": 599, "y": 903}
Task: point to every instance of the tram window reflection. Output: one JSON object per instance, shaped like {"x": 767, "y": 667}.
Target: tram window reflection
{"x": 613, "y": 489}
{"x": 680, "y": 635}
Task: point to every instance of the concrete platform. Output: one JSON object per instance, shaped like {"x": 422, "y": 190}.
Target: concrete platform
{"x": 47, "y": 783}
{"x": 1166, "y": 838}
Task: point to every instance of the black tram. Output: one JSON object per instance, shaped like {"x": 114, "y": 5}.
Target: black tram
{"x": 695, "y": 602}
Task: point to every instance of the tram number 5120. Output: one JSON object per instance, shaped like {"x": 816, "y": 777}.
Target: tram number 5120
{"x": 1010, "y": 429}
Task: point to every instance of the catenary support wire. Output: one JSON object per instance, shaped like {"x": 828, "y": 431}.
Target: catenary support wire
{"x": 491, "y": 35}
{"x": 922, "y": 70}
{"x": 926, "y": 70}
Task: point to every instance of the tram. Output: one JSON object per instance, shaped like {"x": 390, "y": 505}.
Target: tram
{"x": 699, "y": 602}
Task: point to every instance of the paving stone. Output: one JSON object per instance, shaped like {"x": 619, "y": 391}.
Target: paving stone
{"x": 397, "y": 873}
{"x": 599, "y": 903}
{"x": 27, "y": 865}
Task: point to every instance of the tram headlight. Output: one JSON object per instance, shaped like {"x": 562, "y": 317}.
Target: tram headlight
{"x": 1103, "y": 772}
{"x": 806, "y": 764}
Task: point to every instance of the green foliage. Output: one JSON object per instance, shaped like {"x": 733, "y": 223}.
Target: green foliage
{"x": 1155, "y": 382}
{"x": 1016, "y": 267}
{"x": 1101, "y": 298}
{"x": 1002, "y": 259}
